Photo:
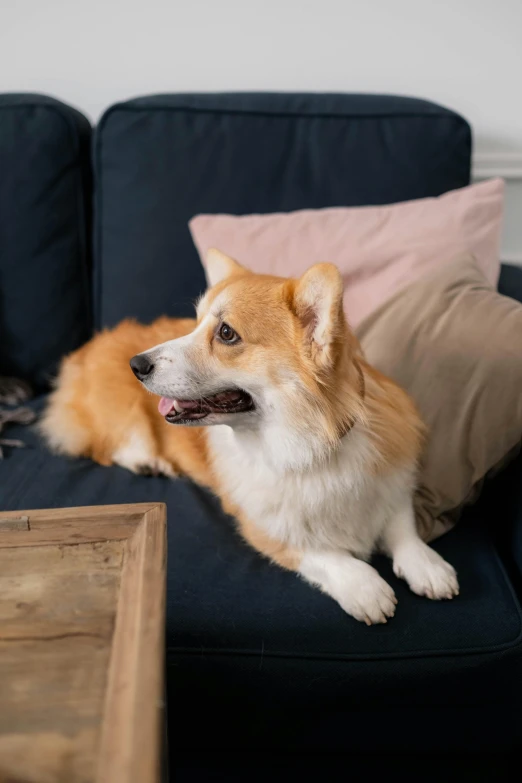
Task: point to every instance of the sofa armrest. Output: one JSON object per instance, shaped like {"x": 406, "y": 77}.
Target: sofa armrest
{"x": 514, "y": 498}
{"x": 510, "y": 282}
{"x": 510, "y": 503}
{"x": 505, "y": 495}
{"x": 501, "y": 507}
{"x": 516, "y": 542}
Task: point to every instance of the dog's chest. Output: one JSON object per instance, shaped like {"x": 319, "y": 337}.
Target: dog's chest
{"x": 337, "y": 504}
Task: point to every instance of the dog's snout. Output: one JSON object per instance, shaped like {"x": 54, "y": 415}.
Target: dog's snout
{"x": 141, "y": 366}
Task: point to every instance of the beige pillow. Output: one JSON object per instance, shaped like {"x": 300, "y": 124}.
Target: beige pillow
{"x": 455, "y": 344}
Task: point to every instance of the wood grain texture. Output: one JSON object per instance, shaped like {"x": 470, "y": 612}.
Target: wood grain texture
{"x": 81, "y": 645}
{"x": 14, "y": 523}
{"x": 75, "y": 525}
{"x": 56, "y": 516}
{"x": 131, "y": 748}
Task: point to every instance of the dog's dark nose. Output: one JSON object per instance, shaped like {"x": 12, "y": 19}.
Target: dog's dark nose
{"x": 141, "y": 366}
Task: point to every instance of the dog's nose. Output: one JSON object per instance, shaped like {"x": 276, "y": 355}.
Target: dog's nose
{"x": 141, "y": 366}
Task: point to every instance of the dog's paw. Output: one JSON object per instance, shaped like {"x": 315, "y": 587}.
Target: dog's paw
{"x": 371, "y": 602}
{"x": 426, "y": 572}
{"x": 155, "y": 467}
{"x": 141, "y": 463}
{"x": 354, "y": 584}
{"x": 137, "y": 455}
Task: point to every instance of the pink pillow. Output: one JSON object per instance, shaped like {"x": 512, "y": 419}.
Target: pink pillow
{"x": 378, "y": 249}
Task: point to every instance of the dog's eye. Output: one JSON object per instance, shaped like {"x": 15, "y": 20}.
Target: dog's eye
{"x": 227, "y": 334}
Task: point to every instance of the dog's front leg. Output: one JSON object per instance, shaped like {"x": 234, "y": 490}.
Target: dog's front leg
{"x": 275, "y": 550}
{"x": 354, "y": 584}
{"x": 426, "y": 572}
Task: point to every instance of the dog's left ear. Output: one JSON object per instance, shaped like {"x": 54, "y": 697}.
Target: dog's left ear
{"x": 318, "y": 302}
{"x": 220, "y": 266}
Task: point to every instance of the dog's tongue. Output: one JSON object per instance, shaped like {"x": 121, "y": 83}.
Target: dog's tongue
{"x": 165, "y": 405}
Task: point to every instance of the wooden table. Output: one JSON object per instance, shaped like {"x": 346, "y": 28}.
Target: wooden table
{"x": 82, "y": 605}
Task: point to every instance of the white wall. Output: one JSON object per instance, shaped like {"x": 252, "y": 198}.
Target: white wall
{"x": 466, "y": 54}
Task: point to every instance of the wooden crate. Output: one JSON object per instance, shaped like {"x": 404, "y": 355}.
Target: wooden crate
{"x": 82, "y": 608}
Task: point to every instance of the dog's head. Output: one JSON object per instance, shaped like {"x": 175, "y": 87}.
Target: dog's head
{"x": 264, "y": 348}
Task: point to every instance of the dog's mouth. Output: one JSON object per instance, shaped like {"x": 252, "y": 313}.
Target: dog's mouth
{"x": 184, "y": 411}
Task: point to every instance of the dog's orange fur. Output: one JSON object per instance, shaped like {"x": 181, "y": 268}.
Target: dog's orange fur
{"x": 97, "y": 399}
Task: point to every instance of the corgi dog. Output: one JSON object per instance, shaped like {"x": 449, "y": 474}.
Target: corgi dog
{"x": 267, "y": 400}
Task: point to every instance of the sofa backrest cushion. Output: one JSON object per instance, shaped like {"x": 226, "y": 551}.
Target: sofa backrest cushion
{"x": 44, "y": 276}
{"x": 161, "y": 160}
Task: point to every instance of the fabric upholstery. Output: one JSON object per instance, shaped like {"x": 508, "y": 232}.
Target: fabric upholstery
{"x": 161, "y": 160}
{"x": 44, "y": 227}
{"x": 378, "y": 250}
{"x": 241, "y": 629}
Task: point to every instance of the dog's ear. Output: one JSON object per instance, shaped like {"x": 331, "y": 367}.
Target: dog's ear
{"x": 220, "y": 266}
{"x": 318, "y": 303}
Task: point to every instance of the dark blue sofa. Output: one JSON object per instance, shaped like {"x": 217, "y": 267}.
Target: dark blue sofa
{"x": 257, "y": 661}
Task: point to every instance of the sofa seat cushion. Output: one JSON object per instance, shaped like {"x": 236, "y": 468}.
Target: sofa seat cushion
{"x": 223, "y": 598}
{"x": 241, "y": 632}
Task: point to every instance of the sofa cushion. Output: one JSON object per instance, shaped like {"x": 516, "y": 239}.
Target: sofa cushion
{"x": 161, "y": 160}
{"x": 44, "y": 276}
{"x": 241, "y": 629}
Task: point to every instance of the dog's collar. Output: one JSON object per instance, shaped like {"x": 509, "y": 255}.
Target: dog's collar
{"x": 347, "y": 426}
